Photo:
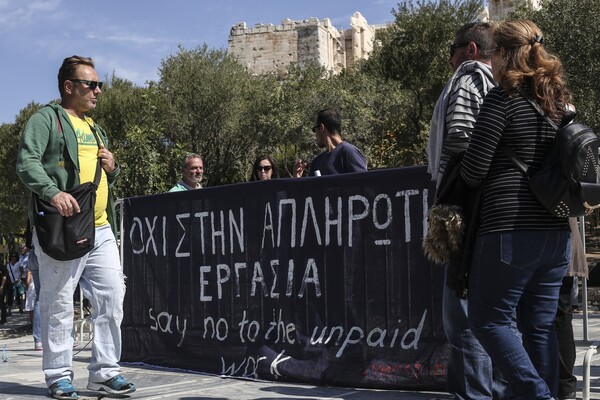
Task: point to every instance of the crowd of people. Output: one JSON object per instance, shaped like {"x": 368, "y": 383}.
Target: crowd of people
{"x": 502, "y": 335}
{"x": 339, "y": 157}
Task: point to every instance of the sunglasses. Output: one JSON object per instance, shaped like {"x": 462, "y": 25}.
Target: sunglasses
{"x": 455, "y": 46}
{"x": 265, "y": 168}
{"x": 90, "y": 84}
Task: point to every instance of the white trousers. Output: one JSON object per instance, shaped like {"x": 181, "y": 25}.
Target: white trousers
{"x": 100, "y": 276}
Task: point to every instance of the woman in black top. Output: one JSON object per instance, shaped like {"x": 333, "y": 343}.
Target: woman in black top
{"x": 522, "y": 251}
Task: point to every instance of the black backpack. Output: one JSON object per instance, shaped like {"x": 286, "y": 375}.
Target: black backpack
{"x": 567, "y": 182}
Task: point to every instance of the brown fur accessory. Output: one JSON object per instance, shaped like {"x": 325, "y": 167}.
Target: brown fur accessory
{"x": 445, "y": 232}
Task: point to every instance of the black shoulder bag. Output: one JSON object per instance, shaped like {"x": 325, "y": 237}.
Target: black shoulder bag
{"x": 68, "y": 238}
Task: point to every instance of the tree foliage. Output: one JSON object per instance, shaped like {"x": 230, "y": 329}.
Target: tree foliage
{"x": 206, "y": 102}
{"x": 129, "y": 114}
{"x": 414, "y": 53}
{"x": 207, "y": 99}
{"x": 571, "y": 32}
{"x": 286, "y": 114}
{"x": 13, "y": 195}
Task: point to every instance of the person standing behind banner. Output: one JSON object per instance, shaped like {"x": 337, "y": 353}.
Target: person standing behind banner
{"x": 469, "y": 366}
{"x": 264, "y": 168}
{"x": 340, "y": 156}
{"x": 58, "y": 150}
{"x": 192, "y": 170}
{"x": 522, "y": 251}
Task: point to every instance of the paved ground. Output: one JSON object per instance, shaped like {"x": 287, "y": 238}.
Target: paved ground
{"x": 21, "y": 376}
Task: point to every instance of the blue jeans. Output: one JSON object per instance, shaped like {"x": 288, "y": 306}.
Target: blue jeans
{"x": 100, "y": 276}
{"x": 522, "y": 271}
{"x": 470, "y": 373}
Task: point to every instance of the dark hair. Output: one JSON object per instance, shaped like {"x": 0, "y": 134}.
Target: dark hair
{"x": 68, "y": 68}
{"x": 480, "y": 33}
{"x": 274, "y": 171}
{"x": 524, "y": 62}
{"x": 13, "y": 254}
{"x": 188, "y": 157}
{"x": 332, "y": 120}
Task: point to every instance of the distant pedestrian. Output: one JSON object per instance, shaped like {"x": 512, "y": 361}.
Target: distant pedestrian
{"x": 578, "y": 267}
{"x": 32, "y": 303}
{"x": 17, "y": 288}
{"x": 3, "y": 291}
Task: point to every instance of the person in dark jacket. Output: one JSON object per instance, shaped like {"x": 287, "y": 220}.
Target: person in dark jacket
{"x": 469, "y": 367}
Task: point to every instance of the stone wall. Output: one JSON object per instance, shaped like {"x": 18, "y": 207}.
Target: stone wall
{"x": 268, "y": 48}
{"x": 500, "y": 8}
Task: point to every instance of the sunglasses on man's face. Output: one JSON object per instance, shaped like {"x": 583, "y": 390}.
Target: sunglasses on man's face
{"x": 90, "y": 84}
{"x": 455, "y": 46}
{"x": 265, "y": 168}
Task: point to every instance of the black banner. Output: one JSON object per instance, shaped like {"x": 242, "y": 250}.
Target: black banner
{"x": 319, "y": 280}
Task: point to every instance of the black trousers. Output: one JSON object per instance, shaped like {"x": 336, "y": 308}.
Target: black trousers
{"x": 8, "y": 291}
{"x": 566, "y": 342}
{"x": 3, "y": 298}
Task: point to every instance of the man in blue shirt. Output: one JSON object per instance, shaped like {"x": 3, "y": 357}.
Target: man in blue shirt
{"x": 341, "y": 157}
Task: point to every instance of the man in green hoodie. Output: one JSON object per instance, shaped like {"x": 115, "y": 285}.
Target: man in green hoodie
{"x": 58, "y": 151}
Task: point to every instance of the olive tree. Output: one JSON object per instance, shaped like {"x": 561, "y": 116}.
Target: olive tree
{"x": 207, "y": 108}
{"x": 413, "y": 52}
{"x": 14, "y": 196}
{"x": 570, "y": 29}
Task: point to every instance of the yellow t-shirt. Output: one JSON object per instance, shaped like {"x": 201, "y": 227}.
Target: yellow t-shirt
{"x": 88, "y": 158}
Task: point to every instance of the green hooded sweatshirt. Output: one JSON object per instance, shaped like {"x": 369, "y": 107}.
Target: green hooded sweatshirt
{"x": 48, "y": 162}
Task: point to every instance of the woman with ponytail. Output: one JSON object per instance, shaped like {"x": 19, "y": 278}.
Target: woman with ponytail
{"x": 522, "y": 251}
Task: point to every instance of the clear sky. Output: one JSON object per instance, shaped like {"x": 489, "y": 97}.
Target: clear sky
{"x": 132, "y": 37}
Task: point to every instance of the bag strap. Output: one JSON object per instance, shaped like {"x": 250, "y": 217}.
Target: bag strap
{"x": 518, "y": 161}
{"x": 98, "y": 173}
{"x": 538, "y": 108}
{"x": 11, "y": 272}
{"x": 510, "y": 153}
